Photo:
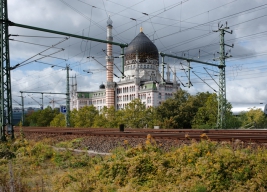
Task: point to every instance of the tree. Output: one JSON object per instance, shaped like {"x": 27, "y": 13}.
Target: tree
{"x": 84, "y": 117}
{"x": 134, "y": 114}
{"x": 169, "y": 112}
{"x": 58, "y": 121}
{"x": 254, "y": 118}
{"x": 151, "y": 117}
{"x": 112, "y": 117}
{"x": 206, "y": 116}
{"x": 41, "y": 118}
{"x": 179, "y": 111}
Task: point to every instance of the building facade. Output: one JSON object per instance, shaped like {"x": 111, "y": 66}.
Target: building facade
{"x": 142, "y": 78}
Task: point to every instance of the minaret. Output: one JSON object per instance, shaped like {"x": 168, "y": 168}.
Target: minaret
{"x": 109, "y": 58}
{"x": 168, "y": 73}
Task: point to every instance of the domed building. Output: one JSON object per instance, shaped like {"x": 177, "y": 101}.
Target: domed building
{"x": 142, "y": 78}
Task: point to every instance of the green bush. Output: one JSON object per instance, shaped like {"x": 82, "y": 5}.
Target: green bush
{"x": 197, "y": 167}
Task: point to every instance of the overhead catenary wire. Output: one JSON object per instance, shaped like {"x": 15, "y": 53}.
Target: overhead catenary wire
{"x": 20, "y": 65}
{"x": 34, "y": 44}
{"x": 114, "y": 64}
{"x": 204, "y": 81}
{"x": 105, "y": 67}
{"x": 24, "y": 62}
{"x": 178, "y": 78}
{"x": 215, "y": 20}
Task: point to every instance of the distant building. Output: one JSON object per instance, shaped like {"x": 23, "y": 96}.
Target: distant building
{"x": 142, "y": 78}
{"x": 17, "y": 114}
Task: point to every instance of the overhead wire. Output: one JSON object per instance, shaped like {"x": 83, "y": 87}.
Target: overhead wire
{"x": 215, "y": 20}
{"x": 34, "y": 44}
{"x": 24, "y": 62}
{"x": 77, "y": 11}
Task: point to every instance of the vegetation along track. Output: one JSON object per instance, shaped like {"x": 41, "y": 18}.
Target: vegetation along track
{"x": 253, "y": 136}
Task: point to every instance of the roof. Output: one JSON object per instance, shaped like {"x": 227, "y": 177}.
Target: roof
{"x": 102, "y": 86}
{"x": 89, "y": 95}
{"x": 145, "y": 48}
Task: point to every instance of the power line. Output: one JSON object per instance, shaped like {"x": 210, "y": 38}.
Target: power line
{"x": 214, "y": 20}
{"x": 34, "y": 44}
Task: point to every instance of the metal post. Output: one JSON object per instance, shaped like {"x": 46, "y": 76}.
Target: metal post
{"x": 68, "y": 99}
{"x": 65, "y": 34}
{"x": 122, "y": 60}
{"x": 222, "y": 83}
{"x": 42, "y": 100}
{"x": 162, "y": 69}
{"x": 5, "y": 84}
{"x": 22, "y": 109}
{"x": 189, "y": 82}
{"x": 221, "y": 121}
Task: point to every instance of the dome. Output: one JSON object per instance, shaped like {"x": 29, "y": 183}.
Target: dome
{"x": 102, "y": 86}
{"x": 145, "y": 48}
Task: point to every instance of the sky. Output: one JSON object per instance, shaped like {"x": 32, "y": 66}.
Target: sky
{"x": 183, "y": 28}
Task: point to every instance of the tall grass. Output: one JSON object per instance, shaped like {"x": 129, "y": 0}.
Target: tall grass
{"x": 198, "y": 167}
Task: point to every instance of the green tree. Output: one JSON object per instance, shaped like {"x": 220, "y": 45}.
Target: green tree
{"x": 254, "y": 118}
{"x": 112, "y": 117}
{"x": 206, "y": 116}
{"x": 73, "y": 115}
{"x": 151, "y": 117}
{"x": 134, "y": 114}
{"x": 179, "y": 111}
{"x": 100, "y": 119}
{"x": 84, "y": 117}
{"x": 41, "y": 118}
{"x": 58, "y": 121}
{"x": 233, "y": 122}
{"x": 169, "y": 112}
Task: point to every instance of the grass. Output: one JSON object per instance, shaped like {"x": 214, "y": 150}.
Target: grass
{"x": 198, "y": 167}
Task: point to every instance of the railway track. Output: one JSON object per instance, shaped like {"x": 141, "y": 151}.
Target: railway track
{"x": 252, "y": 136}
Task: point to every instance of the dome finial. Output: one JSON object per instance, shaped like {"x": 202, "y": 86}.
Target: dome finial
{"x": 141, "y": 29}
{"x": 109, "y": 21}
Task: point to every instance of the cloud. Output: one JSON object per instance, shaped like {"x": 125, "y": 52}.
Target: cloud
{"x": 176, "y": 28}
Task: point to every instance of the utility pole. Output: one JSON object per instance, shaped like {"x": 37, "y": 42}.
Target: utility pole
{"x": 222, "y": 83}
{"x": 42, "y": 98}
{"x": 68, "y": 98}
{"x": 189, "y": 81}
{"x": 163, "y": 67}
{"x": 22, "y": 108}
{"x": 5, "y": 79}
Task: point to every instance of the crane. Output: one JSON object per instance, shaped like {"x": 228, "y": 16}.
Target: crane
{"x": 53, "y": 101}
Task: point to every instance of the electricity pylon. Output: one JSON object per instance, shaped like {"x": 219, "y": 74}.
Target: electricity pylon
{"x": 5, "y": 82}
{"x": 222, "y": 83}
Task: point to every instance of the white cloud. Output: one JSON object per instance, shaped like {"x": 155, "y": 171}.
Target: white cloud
{"x": 244, "y": 83}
